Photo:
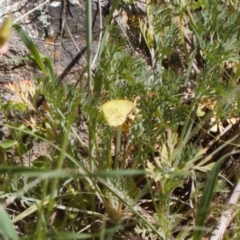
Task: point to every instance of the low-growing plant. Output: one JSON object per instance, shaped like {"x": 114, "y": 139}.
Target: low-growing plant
{"x": 149, "y": 171}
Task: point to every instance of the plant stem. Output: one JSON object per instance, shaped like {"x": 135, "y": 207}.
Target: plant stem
{"x": 89, "y": 43}
{"x": 117, "y": 150}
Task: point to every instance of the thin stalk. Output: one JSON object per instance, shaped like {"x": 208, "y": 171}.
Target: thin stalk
{"x": 90, "y": 90}
{"x": 190, "y": 17}
{"x": 182, "y": 37}
{"x": 125, "y": 155}
{"x": 89, "y": 77}
{"x": 89, "y": 43}
{"x": 106, "y": 31}
{"x": 41, "y": 209}
{"x": 59, "y": 166}
{"x": 91, "y": 144}
{"x": 186, "y": 127}
{"x": 117, "y": 150}
{"x": 109, "y": 155}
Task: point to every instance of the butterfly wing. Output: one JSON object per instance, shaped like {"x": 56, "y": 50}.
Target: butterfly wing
{"x": 115, "y": 112}
{"x": 5, "y": 30}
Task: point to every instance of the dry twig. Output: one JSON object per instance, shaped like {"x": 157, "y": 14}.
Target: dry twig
{"x": 227, "y": 215}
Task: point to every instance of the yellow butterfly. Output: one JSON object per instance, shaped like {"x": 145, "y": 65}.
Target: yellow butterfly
{"x": 5, "y": 30}
{"x": 115, "y": 112}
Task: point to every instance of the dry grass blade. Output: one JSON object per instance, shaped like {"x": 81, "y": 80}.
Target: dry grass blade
{"x": 227, "y": 215}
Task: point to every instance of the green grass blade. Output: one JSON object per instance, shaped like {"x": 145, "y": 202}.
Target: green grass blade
{"x": 6, "y": 227}
{"x": 205, "y": 202}
{"x": 67, "y": 172}
{"x": 49, "y": 69}
{"x": 89, "y": 42}
{"x": 31, "y": 47}
{"x": 106, "y": 32}
{"x": 98, "y": 80}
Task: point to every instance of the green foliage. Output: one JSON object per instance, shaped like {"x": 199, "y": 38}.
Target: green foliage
{"x": 144, "y": 177}
{"x": 7, "y": 229}
{"x": 205, "y": 202}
